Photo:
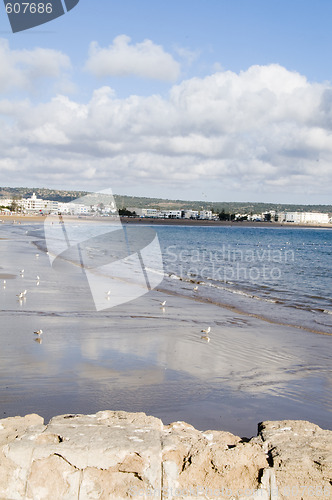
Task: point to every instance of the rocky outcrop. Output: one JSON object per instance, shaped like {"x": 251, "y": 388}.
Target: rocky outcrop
{"x": 118, "y": 455}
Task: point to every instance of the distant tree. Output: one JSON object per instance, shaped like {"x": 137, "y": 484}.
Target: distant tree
{"x": 13, "y": 206}
{"x": 222, "y": 215}
{"x": 126, "y": 213}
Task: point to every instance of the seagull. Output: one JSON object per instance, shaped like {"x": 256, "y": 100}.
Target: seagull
{"x": 21, "y": 295}
{"x": 207, "y": 330}
{"x": 37, "y": 278}
{"x": 163, "y": 303}
{"x": 38, "y": 332}
{"x": 195, "y": 288}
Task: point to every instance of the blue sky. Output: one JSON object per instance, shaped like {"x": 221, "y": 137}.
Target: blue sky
{"x": 218, "y": 100}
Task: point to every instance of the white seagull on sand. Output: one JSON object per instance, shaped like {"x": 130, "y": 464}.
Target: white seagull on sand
{"x": 163, "y": 303}
{"x": 207, "y": 330}
{"x": 38, "y": 332}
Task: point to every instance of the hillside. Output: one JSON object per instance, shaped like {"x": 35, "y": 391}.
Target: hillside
{"x": 124, "y": 201}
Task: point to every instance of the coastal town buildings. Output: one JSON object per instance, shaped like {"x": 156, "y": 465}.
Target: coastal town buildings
{"x": 35, "y": 205}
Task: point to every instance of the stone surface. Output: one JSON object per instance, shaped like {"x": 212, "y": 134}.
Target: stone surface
{"x": 119, "y": 455}
{"x": 301, "y": 455}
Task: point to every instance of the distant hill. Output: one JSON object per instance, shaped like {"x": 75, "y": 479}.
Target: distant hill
{"x": 124, "y": 201}
{"x": 47, "y": 194}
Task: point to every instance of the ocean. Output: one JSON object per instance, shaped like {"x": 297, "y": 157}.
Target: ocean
{"x": 265, "y": 293}
{"x": 281, "y": 274}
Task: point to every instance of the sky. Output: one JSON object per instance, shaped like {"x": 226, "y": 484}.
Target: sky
{"x": 214, "y": 100}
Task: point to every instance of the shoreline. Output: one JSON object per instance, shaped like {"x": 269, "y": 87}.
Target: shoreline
{"x": 202, "y": 222}
{"x": 154, "y": 221}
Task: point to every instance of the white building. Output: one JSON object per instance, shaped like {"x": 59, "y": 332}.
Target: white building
{"x": 145, "y": 212}
{"x": 37, "y": 205}
{"x": 171, "y": 214}
{"x": 205, "y": 214}
{"x": 6, "y": 202}
{"x": 73, "y": 209}
{"x": 304, "y": 217}
{"x": 190, "y": 214}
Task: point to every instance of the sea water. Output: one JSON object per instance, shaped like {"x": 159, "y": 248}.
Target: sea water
{"x": 281, "y": 274}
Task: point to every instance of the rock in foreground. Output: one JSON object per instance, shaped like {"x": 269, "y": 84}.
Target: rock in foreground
{"x": 118, "y": 455}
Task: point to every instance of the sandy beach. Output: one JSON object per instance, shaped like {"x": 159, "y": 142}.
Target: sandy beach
{"x": 140, "y": 356}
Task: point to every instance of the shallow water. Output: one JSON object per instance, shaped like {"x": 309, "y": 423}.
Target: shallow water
{"x": 139, "y": 356}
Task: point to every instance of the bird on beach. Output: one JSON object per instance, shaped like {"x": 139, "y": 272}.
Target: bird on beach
{"x": 195, "y": 288}
{"x": 38, "y": 332}
{"x": 22, "y": 273}
{"x": 163, "y": 303}
{"x": 206, "y": 336}
{"x": 22, "y": 295}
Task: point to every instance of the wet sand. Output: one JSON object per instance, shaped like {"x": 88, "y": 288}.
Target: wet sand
{"x": 19, "y": 219}
{"x": 139, "y": 356}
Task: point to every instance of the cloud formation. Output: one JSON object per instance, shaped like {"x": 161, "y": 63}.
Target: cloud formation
{"x": 21, "y": 69}
{"x": 263, "y": 130}
{"x": 145, "y": 60}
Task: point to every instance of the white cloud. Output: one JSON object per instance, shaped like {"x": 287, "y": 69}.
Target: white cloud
{"x": 265, "y": 129}
{"x": 22, "y": 69}
{"x": 144, "y": 59}
{"x": 189, "y": 56}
